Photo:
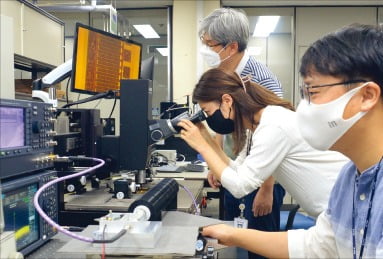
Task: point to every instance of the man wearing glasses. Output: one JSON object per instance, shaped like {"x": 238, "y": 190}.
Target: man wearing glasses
{"x": 341, "y": 110}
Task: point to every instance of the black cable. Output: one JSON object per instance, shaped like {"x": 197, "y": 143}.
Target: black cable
{"x": 168, "y": 109}
{"x": 108, "y": 94}
{"x": 114, "y": 105}
{"x": 74, "y": 228}
{"x": 111, "y": 240}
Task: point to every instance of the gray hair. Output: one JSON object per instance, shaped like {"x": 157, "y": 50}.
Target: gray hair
{"x": 226, "y": 25}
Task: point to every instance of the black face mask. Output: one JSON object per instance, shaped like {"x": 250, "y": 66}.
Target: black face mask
{"x": 219, "y": 124}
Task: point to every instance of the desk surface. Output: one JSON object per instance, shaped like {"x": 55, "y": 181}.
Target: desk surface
{"x": 170, "y": 244}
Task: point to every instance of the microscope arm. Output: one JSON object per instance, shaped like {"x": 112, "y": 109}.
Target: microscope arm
{"x": 55, "y": 76}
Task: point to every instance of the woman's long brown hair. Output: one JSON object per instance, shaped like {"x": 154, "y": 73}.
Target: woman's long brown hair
{"x": 216, "y": 82}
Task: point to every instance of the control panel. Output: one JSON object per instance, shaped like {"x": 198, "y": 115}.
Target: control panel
{"x": 49, "y": 204}
{"x": 26, "y": 141}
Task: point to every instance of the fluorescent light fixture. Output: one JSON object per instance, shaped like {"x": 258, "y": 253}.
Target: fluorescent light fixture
{"x": 163, "y": 51}
{"x": 146, "y": 30}
{"x": 265, "y": 25}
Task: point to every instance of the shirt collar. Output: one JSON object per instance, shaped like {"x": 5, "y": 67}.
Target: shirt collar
{"x": 242, "y": 63}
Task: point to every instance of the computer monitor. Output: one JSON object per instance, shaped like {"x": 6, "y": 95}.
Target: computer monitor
{"x": 147, "y": 68}
{"x": 102, "y": 59}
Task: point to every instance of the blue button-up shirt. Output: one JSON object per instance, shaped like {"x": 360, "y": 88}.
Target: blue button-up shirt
{"x": 340, "y": 210}
{"x": 332, "y": 235}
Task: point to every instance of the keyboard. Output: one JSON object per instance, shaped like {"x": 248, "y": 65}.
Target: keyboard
{"x": 194, "y": 168}
{"x": 181, "y": 168}
{"x": 171, "y": 169}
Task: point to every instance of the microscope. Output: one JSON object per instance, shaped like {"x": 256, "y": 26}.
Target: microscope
{"x": 159, "y": 129}
{"x": 164, "y": 128}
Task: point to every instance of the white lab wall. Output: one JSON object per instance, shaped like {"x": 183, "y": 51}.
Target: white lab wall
{"x": 184, "y": 47}
{"x": 42, "y": 38}
{"x": 35, "y": 35}
{"x": 13, "y": 9}
{"x": 7, "y": 80}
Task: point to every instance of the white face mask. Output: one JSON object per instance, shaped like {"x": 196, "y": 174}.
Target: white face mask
{"x": 211, "y": 57}
{"x": 321, "y": 125}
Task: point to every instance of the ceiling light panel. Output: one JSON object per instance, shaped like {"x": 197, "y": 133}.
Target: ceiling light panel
{"x": 146, "y": 31}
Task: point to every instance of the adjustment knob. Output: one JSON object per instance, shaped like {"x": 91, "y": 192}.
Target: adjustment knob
{"x": 156, "y": 135}
{"x": 120, "y": 195}
{"x": 70, "y": 188}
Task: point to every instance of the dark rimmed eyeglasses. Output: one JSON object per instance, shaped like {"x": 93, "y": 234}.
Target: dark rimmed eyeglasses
{"x": 305, "y": 89}
{"x": 210, "y": 45}
{"x": 213, "y": 45}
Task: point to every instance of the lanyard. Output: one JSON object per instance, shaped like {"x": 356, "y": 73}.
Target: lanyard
{"x": 248, "y": 148}
{"x": 368, "y": 214}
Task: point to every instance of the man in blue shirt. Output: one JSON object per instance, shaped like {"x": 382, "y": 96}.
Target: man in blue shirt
{"x": 342, "y": 110}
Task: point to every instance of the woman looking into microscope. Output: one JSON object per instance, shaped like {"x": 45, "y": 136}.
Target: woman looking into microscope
{"x": 266, "y": 140}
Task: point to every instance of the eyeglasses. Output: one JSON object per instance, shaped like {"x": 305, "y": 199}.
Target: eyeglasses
{"x": 213, "y": 45}
{"x": 206, "y": 42}
{"x": 305, "y": 89}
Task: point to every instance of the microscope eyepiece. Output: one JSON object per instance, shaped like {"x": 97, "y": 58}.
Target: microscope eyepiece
{"x": 164, "y": 128}
{"x": 195, "y": 118}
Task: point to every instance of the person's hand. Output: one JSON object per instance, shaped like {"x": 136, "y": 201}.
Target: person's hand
{"x": 263, "y": 202}
{"x": 192, "y": 135}
{"x": 204, "y": 132}
{"x": 201, "y": 126}
{"x": 221, "y": 232}
{"x": 213, "y": 182}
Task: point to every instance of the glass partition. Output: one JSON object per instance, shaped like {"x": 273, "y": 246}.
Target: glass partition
{"x": 156, "y": 47}
{"x": 274, "y": 48}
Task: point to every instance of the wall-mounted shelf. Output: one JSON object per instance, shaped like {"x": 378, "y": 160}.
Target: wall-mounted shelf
{"x": 32, "y": 65}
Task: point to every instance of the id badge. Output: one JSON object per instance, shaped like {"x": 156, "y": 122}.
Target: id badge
{"x": 240, "y": 222}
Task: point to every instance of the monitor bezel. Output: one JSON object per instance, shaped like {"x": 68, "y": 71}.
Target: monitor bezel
{"x": 74, "y": 56}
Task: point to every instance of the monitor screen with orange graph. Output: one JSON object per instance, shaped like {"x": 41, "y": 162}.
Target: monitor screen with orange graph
{"x": 102, "y": 59}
